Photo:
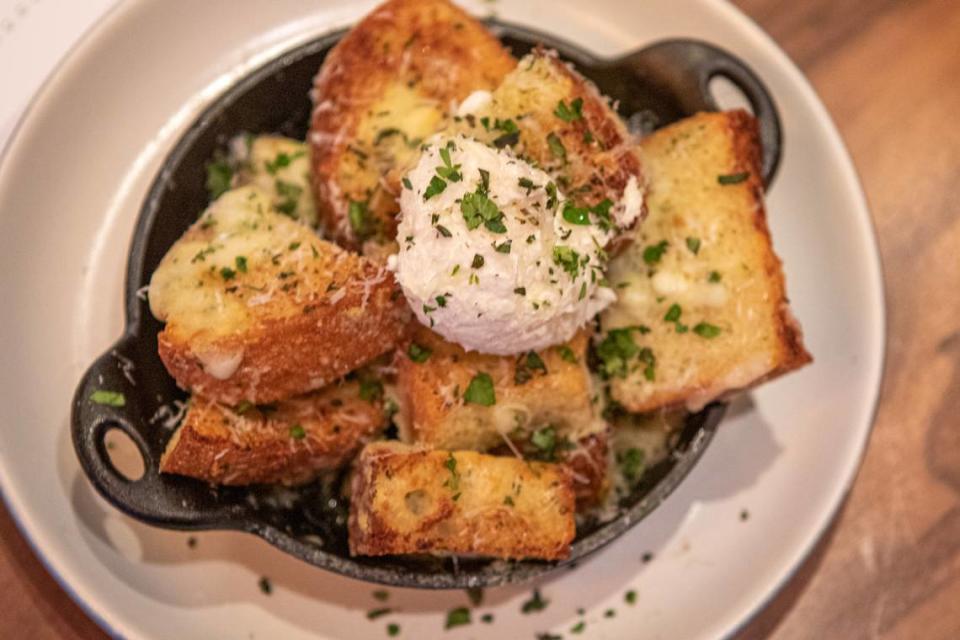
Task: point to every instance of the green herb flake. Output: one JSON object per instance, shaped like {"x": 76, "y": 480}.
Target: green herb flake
{"x": 444, "y": 231}
{"x": 219, "y": 177}
{"x": 714, "y": 277}
{"x": 293, "y": 246}
{"x": 556, "y": 146}
{"x": 266, "y": 587}
{"x": 227, "y": 273}
{"x": 609, "y": 613}
{"x": 545, "y": 440}
{"x": 280, "y": 161}
{"x": 526, "y": 183}
{"x": 243, "y": 407}
{"x": 616, "y": 350}
{"x": 567, "y": 354}
{"x": 297, "y": 432}
{"x": 575, "y": 215}
{"x": 477, "y": 208}
{"x": 520, "y": 291}
{"x": 480, "y": 390}
{"x": 477, "y": 261}
{"x": 571, "y": 113}
{"x": 371, "y": 390}
{"x": 535, "y": 603}
{"x": 436, "y": 187}
{"x": 567, "y": 258}
{"x": 487, "y": 618}
{"x": 631, "y": 462}
{"x": 407, "y": 184}
{"x": 108, "y": 398}
{"x": 241, "y": 262}
{"x": 733, "y": 178}
{"x": 653, "y": 253}
{"x": 393, "y": 629}
{"x": 694, "y": 245}
{"x": 418, "y": 353}
{"x": 373, "y": 614}
{"x": 359, "y": 217}
{"x": 457, "y": 617}
{"x": 503, "y": 247}
{"x": 290, "y": 195}
{"x": 552, "y": 198}
{"x": 381, "y": 595}
{"x": 578, "y": 628}
{"x": 706, "y": 330}
{"x": 630, "y": 597}
{"x": 508, "y": 500}
{"x": 673, "y": 313}
{"x": 583, "y": 291}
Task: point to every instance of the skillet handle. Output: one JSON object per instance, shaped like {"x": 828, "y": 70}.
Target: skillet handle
{"x": 154, "y": 498}
{"x": 682, "y": 69}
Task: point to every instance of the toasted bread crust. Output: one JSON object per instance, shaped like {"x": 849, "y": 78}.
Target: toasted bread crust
{"x": 409, "y": 500}
{"x": 434, "y": 414}
{"x": 759, "y": 339}
{"x": 289, "y": 445}
{"x": 430, "y": 53}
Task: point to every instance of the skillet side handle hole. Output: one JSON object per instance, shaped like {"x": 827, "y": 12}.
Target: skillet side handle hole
{"x": 124, "y": 454}
{"x": 727, "y": 95}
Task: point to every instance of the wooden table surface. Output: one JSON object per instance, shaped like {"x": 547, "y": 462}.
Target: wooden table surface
{"x": 889, "y": 72}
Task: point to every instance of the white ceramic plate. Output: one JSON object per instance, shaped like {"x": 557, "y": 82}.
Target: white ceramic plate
{"x": 71, "y": 184}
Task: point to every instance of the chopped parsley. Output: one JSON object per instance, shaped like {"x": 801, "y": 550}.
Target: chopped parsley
{"x": 297, "y": 432}
{"x": 475, "y": 595}
{"x": 527, "y": 364}
{"x": 631, "y": 462}
{"x": 630, "y": 597}
{"x": 266, "y": 587}
{"x": 457, "y": 617}
{"x": 503, "y": 247}
{"x": 480, "y": 390}
{"x": 280, "y": 161}
{"x": 290, "y": 195}
{"x": 371, "y": 390}
{"x": 478, "y": 208}
{"x": 574, "y": 214}
{"x": 373, "y": 614}
{"x": 535, "y": 603}
{"x": 219, "y": 177}
{"x": 453, "y": 483}
{"x": 526, "y": 183}
{"x": 556, "y": 146}
{"x": 673, "y": 313}
{"x": 442, "y": 230}
{"x": 393, "y": 629}
{"x": 552, "y": 199}
{"x": 520, "y": 291}
{"x": 706, "y": 330}
{"x": 448, "y": 171}
{"x": 714, "y": 277}
{"x": 418, "y": 354}
{"x": 567, "y": 354}
{"x": 477, "y": 261}
{"x": 571, "y": 113}
{"x": 617, "y": 349}
{"x": 406, "y": 183}
{"x": 108, "y": 398}
{"x": 241, "y": 262}
{"x": 486, "y": 618}
{"x": 545, "y": 440}
{"x": 359, "y": 217}
{"x": 733, "y": 178}
{"x": 579, "y": 627}
{"x": 381, "y": 595}
{"x": 436, "y": 187}
{"x": 653, "y": 253}
{"x": 567, "y": 258}
{"x": 227, "y": 273}
{"x": 510, "y": 135}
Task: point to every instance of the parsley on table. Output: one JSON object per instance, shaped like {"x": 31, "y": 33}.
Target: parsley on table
{"x": 457, "y": 617}
{"x": 535, "y": 603}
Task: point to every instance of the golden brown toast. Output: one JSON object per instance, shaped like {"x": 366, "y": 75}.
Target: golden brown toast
{"x": 281, "y": 167}
{"x": 555, "y": 118}
{"x": 410, "y": 500}
{"x": 435, "y": 411}
{"x": 258, "y": 308}
{"x": 289, "y": 443}
{"x": 702, "y": 308}
{"x": 383, "y": 88}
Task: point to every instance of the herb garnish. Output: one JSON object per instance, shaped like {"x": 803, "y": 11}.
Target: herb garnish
{"x": 534, "y": 604}
{"x": 526, "y": 365}
{"x": 359, "y": 217}
{"x": 477, "y": 261}
{"x": 241, "y": 262}
{"x": 453, "y": 483}
{"x": 567, "y": 354}
{"x": 436, "y": 187}
{"x": 393, "y": 629}
{"x": 480, "y": 390}
{"x": 653, "y": 253}
{"x": 574, "y": 214}
{"x": 503, "y": 247}
{"x": 227, "y": 273}
{"x": 556, "y": 146}
{"x": 381, "y": 595}
{"x": 733, "y": 178}
{"x": 108, "y": 398}
{"x": 631, "y": 462}
{"x": 616, "y": 349}
{"x": 219, "y": 177}
{"x": 448, "y": 171}
{"x": 371, "y": 390}
{"x": 706, "y": 330}
{"x": 290, "y": 194}
{"x": 714, "y": 277}
{"x": 567, "y": 258}
{"x": 373, "y": 614}
{"x": 457, "y": 617}
{"x": 475, "y": 594}
{"x": 630, "y": 597}
{"x": 266, "y": 587}
{"x": 297, "y": 432}
{"x": 280, "y": 161}
{"x": 418, "y": 354}
{"x": 694, "y": 245}
{"x": 478, "y": 208}
{"x": 571, "y": 113}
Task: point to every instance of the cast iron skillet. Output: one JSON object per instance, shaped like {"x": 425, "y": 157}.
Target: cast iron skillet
{"x": 654, "y": 86}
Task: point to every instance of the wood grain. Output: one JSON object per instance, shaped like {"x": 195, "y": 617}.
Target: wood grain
{"x": 889, "y": 72}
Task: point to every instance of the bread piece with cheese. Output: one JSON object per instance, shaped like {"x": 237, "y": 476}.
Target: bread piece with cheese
{"x": 551, "y": 388}
{"x": 281, "y": 167}
{"x": 410, "y": 500}
{"x": 258, "y": 308}
{"x": 288, "y": 443}
{"x": 702, "y": 308}
{"x": 385, "y": 87}
{"x": 550, "y": 115}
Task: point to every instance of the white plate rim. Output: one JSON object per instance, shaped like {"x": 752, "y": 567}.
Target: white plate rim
{"x": 20, "y": 512}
